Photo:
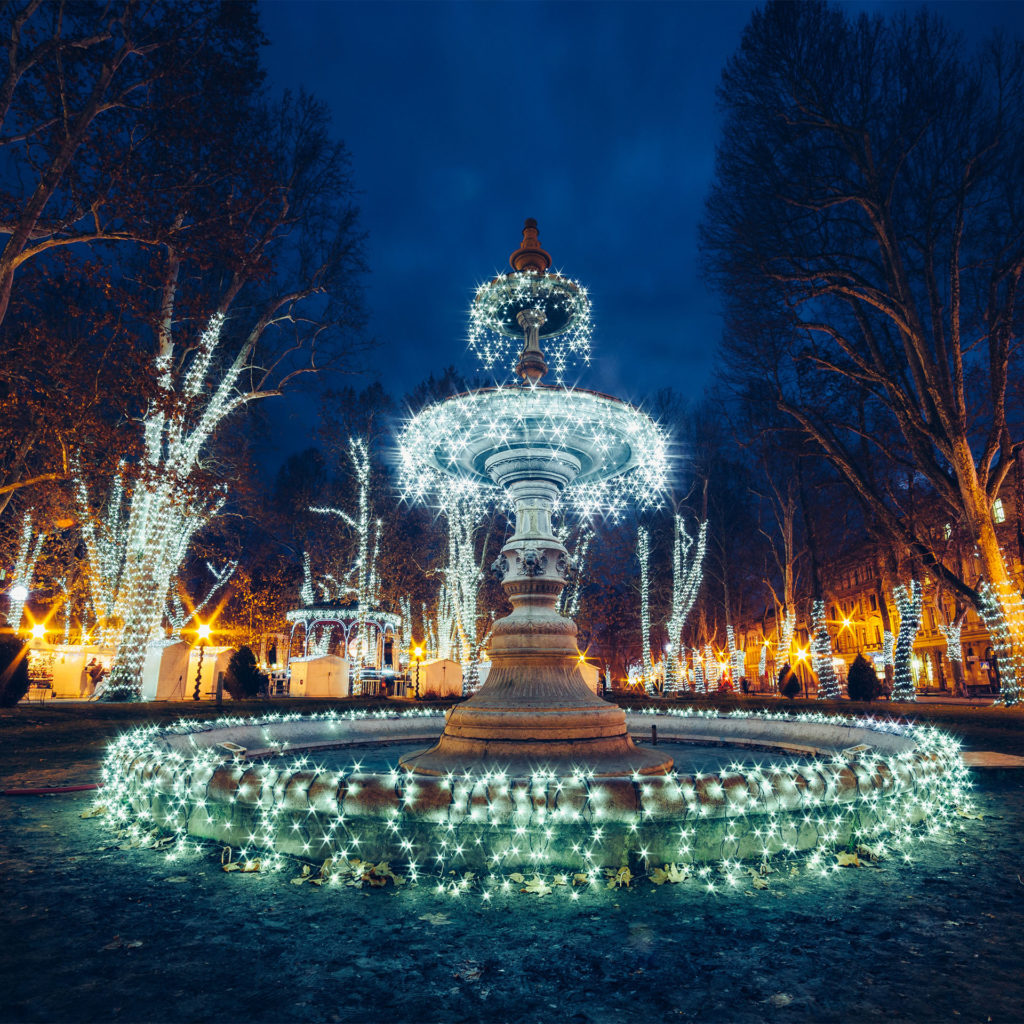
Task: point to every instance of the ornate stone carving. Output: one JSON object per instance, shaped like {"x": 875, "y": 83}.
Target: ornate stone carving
{"x": 562, "y": 566}
{"x": 500, "y": 567}
{"x": 532, "y": 563}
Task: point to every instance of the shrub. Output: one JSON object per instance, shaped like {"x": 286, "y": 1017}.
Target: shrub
{"x": 243, "y": 678}
{"x": 13, "y": 671}
{"x": 789, "y": 685}
{"x": 861, "y": 682}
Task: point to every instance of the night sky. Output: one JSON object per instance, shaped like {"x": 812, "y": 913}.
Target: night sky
{"x": 597, "y": 119}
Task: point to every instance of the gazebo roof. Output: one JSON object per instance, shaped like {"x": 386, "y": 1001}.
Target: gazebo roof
{"x": 337, "y": 611}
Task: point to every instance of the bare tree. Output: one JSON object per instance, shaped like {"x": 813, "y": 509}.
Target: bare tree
{"x": 867, "y": 228}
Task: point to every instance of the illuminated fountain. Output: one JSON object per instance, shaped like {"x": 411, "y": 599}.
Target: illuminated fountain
{"x": 540, "y": 446}
{"x": 534, "y": 772}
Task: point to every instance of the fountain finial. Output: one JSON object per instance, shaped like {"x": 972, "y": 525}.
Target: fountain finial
{"x": 530, "y": 256}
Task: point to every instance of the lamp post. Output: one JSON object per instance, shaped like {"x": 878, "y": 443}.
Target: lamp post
{"x": 204, "y": 635}
{"x": 418, "y": 655}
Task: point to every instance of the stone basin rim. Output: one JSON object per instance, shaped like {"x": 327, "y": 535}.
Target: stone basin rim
{"x": 304, "y": 735}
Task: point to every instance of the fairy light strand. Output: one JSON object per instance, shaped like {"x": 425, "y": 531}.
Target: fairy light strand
{"x": 908, "y": 600}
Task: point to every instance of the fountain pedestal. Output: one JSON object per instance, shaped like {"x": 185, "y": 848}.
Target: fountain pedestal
{"x": 535, "y": 709}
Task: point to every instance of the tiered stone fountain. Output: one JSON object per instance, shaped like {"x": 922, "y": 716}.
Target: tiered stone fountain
{"x": 535, "y": 708}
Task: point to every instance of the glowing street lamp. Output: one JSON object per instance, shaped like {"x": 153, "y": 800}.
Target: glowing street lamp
{"x": 38, "y": 631}
{"x": 204, "y": 634}
{"x": 418, "y": 657}
{"x": 19, "y": 592}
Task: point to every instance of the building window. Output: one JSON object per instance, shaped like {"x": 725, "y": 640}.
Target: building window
{"x": 998, "y": 512}
{"x": 874, "y": 603}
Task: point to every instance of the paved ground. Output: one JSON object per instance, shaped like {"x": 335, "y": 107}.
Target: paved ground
{"x": 97, "y": 933}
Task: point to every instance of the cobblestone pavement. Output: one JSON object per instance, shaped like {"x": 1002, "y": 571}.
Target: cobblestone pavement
{"x": 95, "y": 933}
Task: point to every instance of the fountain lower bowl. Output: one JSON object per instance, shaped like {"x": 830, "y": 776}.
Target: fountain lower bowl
{"x": 255, "y": 785}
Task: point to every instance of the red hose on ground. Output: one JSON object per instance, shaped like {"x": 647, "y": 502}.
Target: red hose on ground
{"x": 49, "y": 790}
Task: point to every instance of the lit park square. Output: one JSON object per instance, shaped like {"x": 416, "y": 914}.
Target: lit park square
{"x": 483, "y": 538}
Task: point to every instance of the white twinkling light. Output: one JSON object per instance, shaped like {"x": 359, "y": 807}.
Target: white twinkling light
{"x": 951, "y": 633}
{"x": 23, "y": 571}
{"x": 821, "y": 654}
{"x": 494, "y": 334}
{"x": 643, "y": 554}
{"x": 908, "y": 604}
{"x": 1002, "y": 611}
{"x": 687, "y": 575}
{"x": 627, "y": 452}
{"x": 153, "y": 785}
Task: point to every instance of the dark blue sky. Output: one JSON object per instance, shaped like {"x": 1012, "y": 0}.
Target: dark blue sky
{"x": 597, "y": 119}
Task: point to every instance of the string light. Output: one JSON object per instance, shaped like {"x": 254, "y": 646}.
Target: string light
{"x": 821, "y": 654}
{"x": 737, "y": 658}
{"x": 785, "y": 637}
{"x": 163, "y": 781}
{"x": 643, "y": 554}
{"x": 570, "y": 598}
{"x": 698, "y": 672}
{"x": 494, "y": 334}
{"x": 361, "y": 579}
{"x": 687, "y": 576}
{"x": 625, "y": 450}
{"x": 908, "y": 604}
{"x": 1002, "y": 612}
{"x": 951, "y": 633}
{"x": 23, "y": 571}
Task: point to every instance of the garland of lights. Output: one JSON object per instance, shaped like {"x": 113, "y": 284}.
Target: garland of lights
{"x": 643, "y": 554}
{"x": 908, "y": 603}
{"x": 1002, "y": 612}
{"x": 23, "y": 571}
{"x": 786, "y": 637}
{"x": 687, "y": 576}
{"x": 762, "y": 661}
{"x": 951, "y": 633}
{"x": 698, "y": 672}
{"x": 821, "y": 654}
{"x": 465, "y": 511}
{"x": 427, "y": 826}
{"x": 496, "y": 305}
{"x": 712, "y": 669}
{"x": 166, "y": 508}
{"x": 571, "y": 596}
{"x": 737, "y": 657}
{"x": 179, "y": 615}
{"x": 888, "y": 643}
{"x": 364, "y": 570}
{"x": 433, "y": 445}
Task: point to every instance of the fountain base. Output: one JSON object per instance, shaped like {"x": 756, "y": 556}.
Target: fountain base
{"x": 536, "y": 716}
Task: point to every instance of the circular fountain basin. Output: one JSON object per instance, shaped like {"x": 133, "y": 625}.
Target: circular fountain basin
{"x": 744, "y": 787}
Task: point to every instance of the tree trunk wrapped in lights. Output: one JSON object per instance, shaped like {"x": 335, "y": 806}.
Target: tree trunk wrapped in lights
{"x": 821, "y": 654}
{"x": 643, "y": 554}
{"x": 698, "y": 672}
{"x": 361, "y": 579}
{"x": 687, "y": 574}
{"x": 23, "y": 571}
{"x": 786, "y": 635}
{"x": 712, "y": 671}
{"x": 955, "y": 653}
{"x": 1002, "y": 626}
{"x": 737, "y": 657}
{"x": 463, "y": 579}
{"x": 908, "y": 603}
